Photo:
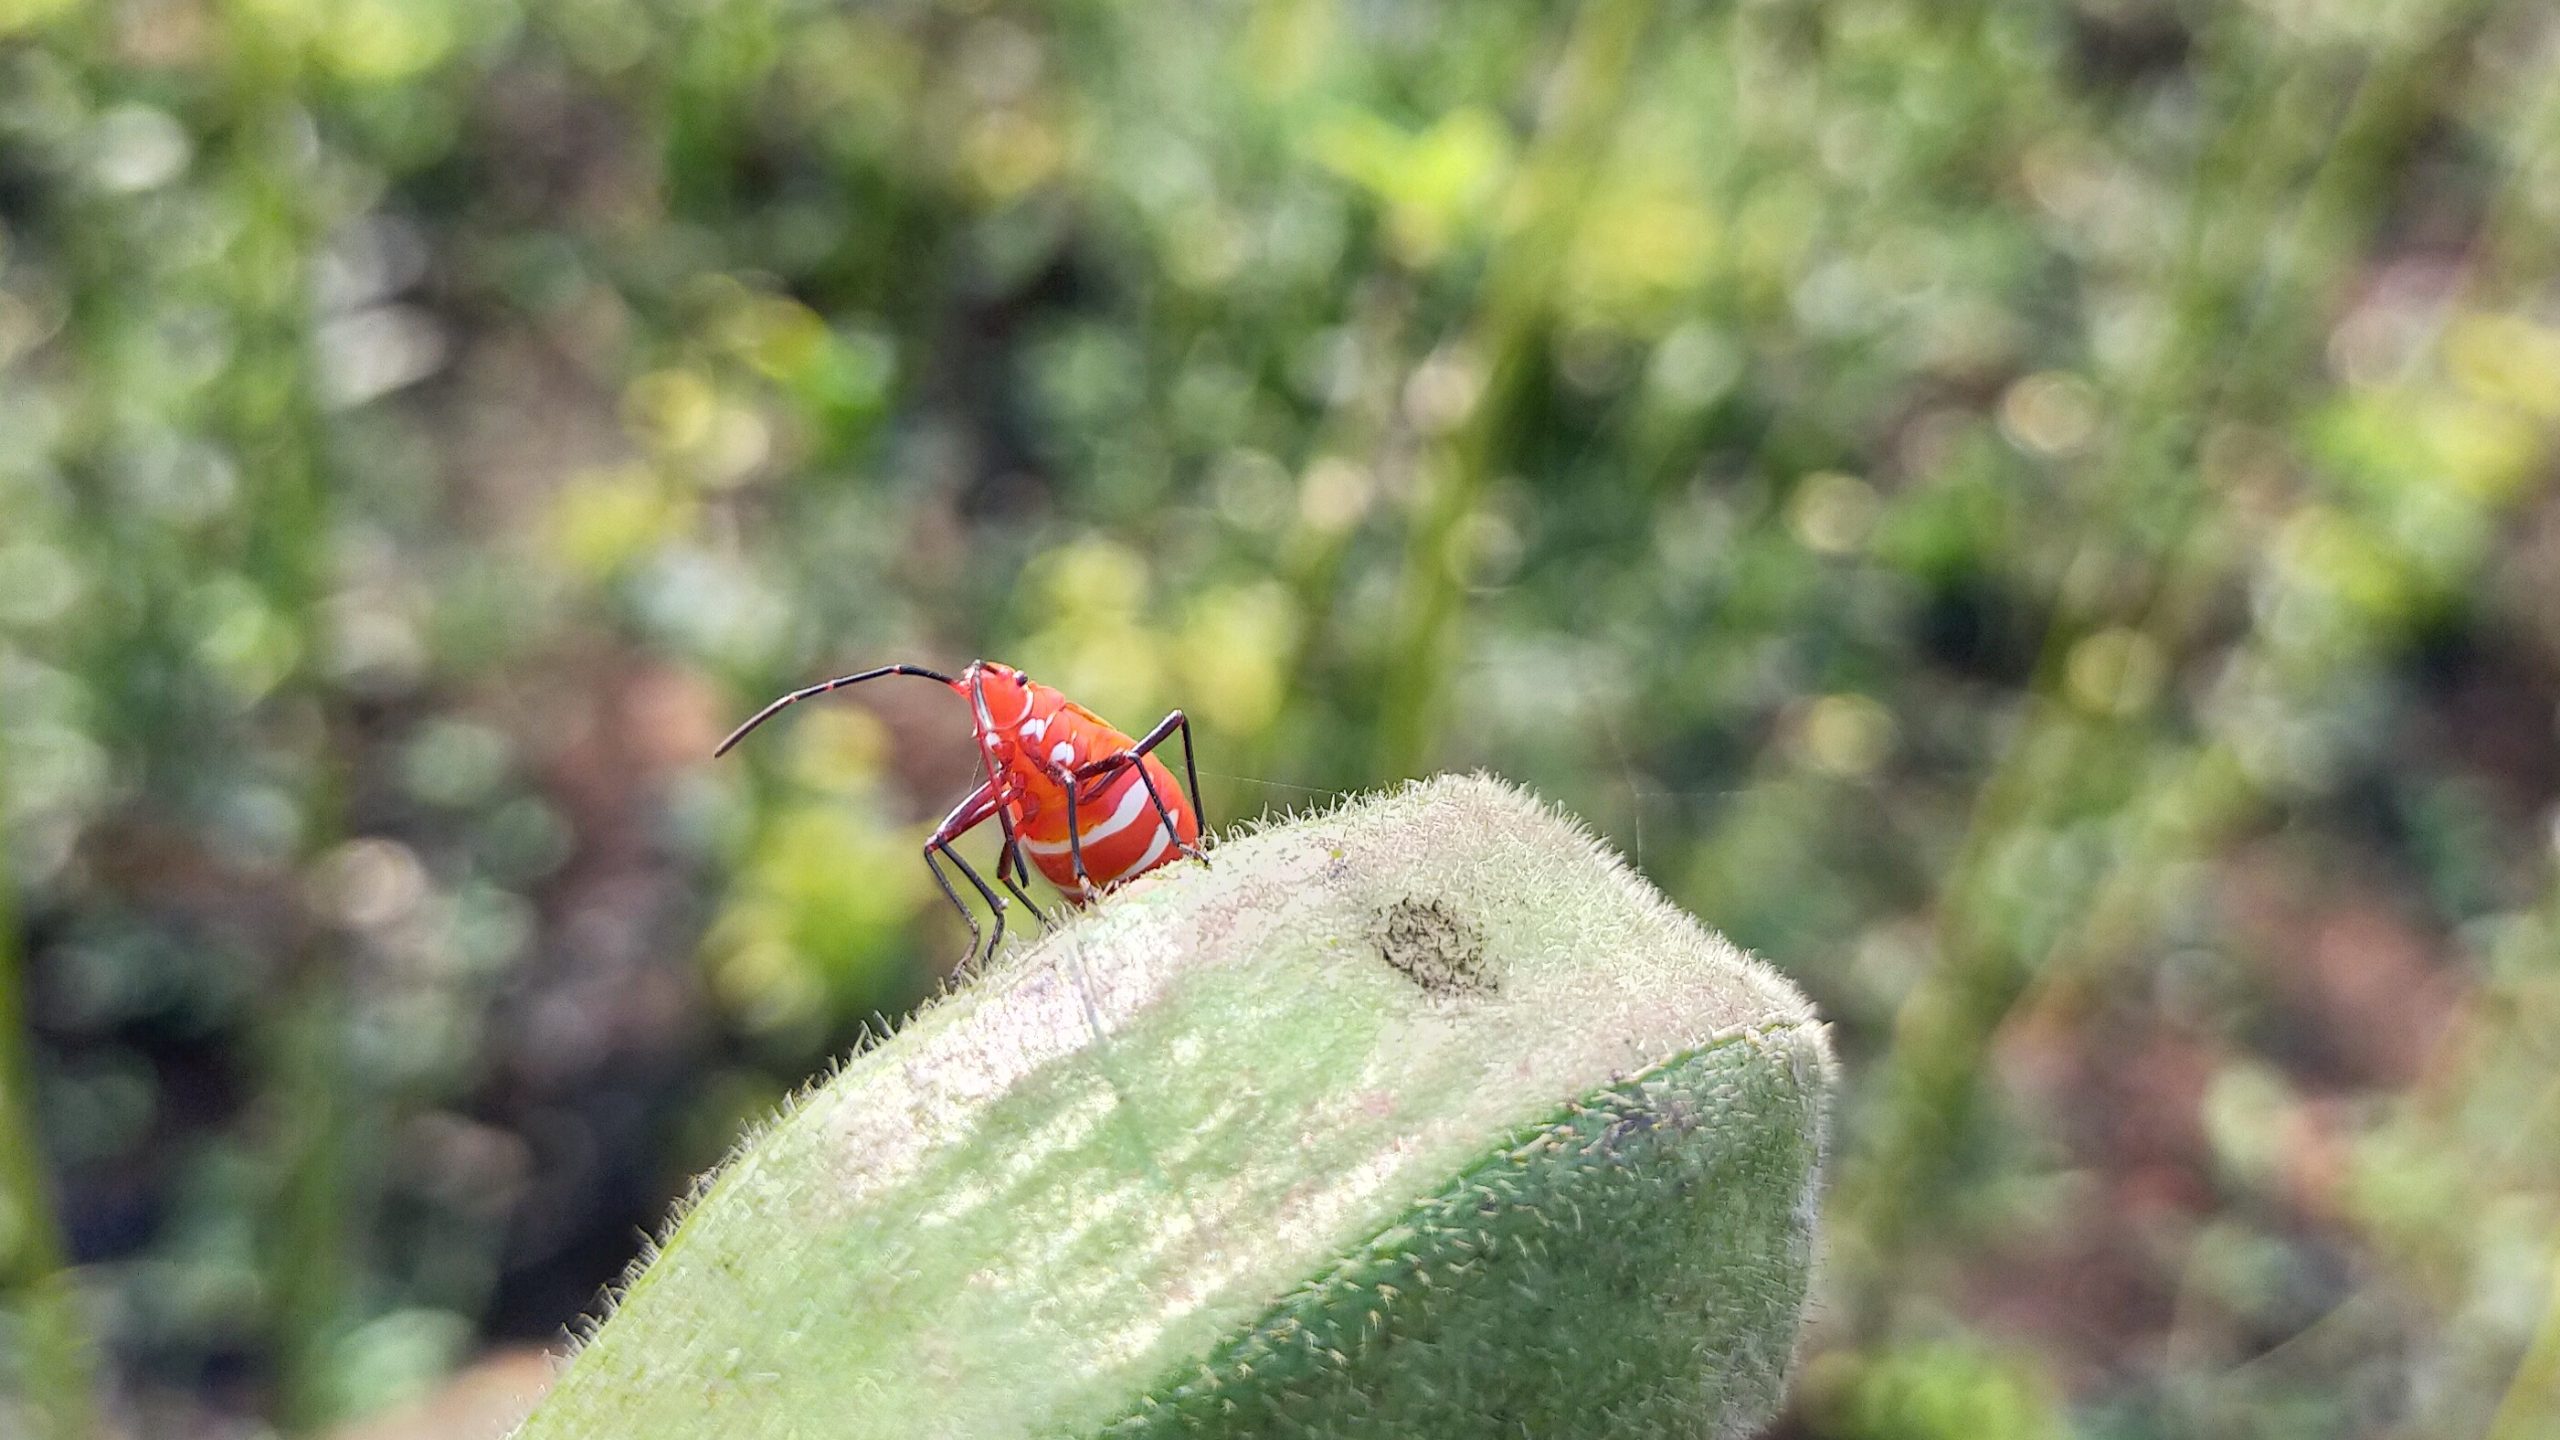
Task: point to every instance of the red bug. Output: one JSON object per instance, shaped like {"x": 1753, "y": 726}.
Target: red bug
{"x": 1090, "y": 806}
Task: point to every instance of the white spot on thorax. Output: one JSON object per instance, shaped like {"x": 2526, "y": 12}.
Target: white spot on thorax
{"x": 1061, "y": 753}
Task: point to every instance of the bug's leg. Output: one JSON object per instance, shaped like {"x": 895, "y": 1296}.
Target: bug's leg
{"x": 1013, "y": 884}
{"x": 1130, "y": 758}
{"x": 1191, "y": 777}
{"x": 1190, "y": 771}
{"x": 964, "y": 817}
{"x": 1164, "y": 813}
{"x": 1012, "y": 870}
{"x": 1075, "y": 833}
{"x": 1175, "y": 721}
{"x": 995, "y": 902}
{"x": 967, "y": 916}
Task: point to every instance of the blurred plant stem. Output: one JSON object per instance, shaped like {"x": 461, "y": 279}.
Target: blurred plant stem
{"x": 2532, "y": 1405}
{"x": 275, "y": 429}
{"x": 308, "y": 1064}
{"x": 2152, "y": 588}
{"x": 1536, "y": 224}
{"x": 55, "y": 1369}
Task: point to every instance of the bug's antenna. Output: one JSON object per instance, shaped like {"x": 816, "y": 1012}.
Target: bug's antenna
{"x": 821, "y": 688}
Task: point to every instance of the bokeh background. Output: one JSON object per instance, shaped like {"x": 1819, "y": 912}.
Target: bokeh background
{"x": 2037, "y": 517}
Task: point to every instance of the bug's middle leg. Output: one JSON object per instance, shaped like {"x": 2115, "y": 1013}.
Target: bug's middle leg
{"x": 1075, "y": 834}
{"x": 1012, "y": 870}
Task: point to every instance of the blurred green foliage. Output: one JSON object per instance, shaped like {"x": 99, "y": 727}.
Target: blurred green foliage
{"x": 2038, "y": 517}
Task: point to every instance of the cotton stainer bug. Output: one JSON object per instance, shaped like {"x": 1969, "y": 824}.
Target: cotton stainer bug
{"x": 1091, "y": 806}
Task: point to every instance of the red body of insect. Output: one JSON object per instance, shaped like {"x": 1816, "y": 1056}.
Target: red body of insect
{"x": 1040, "y": 747}
{"x": 1087, "y": 804}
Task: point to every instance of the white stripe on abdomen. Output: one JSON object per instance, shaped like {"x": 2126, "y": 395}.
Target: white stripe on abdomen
{"x": 1121, "y": 819}
{"x": 1155, "y": 851}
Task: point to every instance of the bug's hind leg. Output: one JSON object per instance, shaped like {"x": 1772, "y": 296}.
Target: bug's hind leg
{"x": 1173, "y": 722}
{"x": 1164, "y": 814}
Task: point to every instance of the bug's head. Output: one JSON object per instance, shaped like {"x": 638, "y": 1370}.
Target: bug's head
{"x": 999, "y": 695}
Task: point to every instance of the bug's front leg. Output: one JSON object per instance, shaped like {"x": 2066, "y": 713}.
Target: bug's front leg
{"x": 968, "y": 815}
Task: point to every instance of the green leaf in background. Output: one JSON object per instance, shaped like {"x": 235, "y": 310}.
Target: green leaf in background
{"x": 1421, "y": 1117}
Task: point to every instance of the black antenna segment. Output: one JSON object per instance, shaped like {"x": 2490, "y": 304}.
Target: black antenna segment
{"x": 821, "y": 688}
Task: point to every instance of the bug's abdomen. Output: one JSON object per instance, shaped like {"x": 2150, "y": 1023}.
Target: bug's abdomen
{"x": 1123, "y": 832}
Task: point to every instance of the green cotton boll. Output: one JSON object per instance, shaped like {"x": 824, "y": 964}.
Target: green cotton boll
{"x": 1419, "y": 1117}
